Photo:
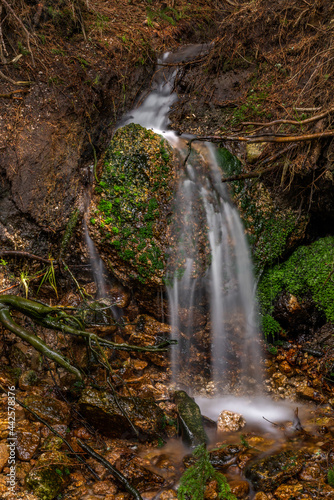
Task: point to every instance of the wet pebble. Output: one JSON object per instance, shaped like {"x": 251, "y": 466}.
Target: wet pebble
{"x": 239, "y": 488}
{"x": 229, "y": 421}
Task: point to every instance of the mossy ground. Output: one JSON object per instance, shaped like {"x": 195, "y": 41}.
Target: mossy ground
{"x": 132, "y": 206}
{"x": 310, "y": 269}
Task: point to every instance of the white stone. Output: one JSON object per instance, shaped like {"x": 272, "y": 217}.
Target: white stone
{"x": 228, "y": 421}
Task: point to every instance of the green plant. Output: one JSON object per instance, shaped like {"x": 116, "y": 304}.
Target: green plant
{"x": 270, "y": 327}
{"x": 330, "y": 477}
{"x": 193, "y": 481}
{"x": 22, "y": 49}
{"x": 50, "y": 277}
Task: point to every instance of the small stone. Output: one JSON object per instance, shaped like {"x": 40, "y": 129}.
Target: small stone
{"x": 168, "y": 495}
{"x": 254, "y": 151}
{"x": 239, "y": 488}
{"x": 4, "y": 455}
{"x": 229, "y": 421}
{"x": 288, "y": 491}
{"x": 261, "y": 496}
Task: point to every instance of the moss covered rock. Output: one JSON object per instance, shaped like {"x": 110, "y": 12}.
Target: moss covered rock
{"x": 49, "y": 476}
{"x": 308, "y": 273}
{"x": 130, "y": 209}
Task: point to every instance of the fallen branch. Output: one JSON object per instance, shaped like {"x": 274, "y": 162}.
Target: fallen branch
{"x": 25, "y": 254}
{"x": 264, "y": 138}
{"x": 115, "y": 472}
{"x": 292, "y": 122}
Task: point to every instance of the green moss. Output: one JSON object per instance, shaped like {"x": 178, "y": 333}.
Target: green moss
{"x": 133, "y": 197}
{"x": 308, "y": 270}
{"x": 270, "y": 327}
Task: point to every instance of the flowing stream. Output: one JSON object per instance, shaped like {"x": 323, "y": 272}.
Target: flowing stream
{"x": 211, "y": 286}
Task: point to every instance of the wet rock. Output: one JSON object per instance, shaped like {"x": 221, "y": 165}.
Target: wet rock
{"x": 148, "y": 331}
{"x": 190, "y": 420}
{"x": 229, "y": 421}
{"x": 129, "y": 212}
{"x": 4, "y": 454}
{"x": 226, "y": 455}
{"x": 119, "y": 296}
{"x": 28, "y": 439}
{"x": 286, "y": 369}
{"x": 268, "y": 473}
{"x": 168, "y": 495}
{"x": 309, "y": 393}
{"x": 49, "y": 476}
{"x": 104, "y": 488}
{"x": 261, "y": 496}
{"x": 51, "y": 410}
{"x": 239, "y": 488}
{"x": 288, "y": 491}
{"x": 102, "y": 411}
{"x": 27, "y": 379}
{"x": 138, "y": 475}
{"x": 311, "y": 472}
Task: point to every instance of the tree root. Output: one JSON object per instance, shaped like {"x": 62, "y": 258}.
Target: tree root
{"x": 56, "y": 318}
{"x": 115, "y": 472}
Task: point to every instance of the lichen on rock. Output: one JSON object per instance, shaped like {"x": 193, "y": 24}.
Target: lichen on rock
{"x": 130, "y": 209}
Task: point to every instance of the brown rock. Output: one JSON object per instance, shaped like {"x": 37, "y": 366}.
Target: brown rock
{"x": 139, "y": 476}
{"x": 261, "y": 496}
{"x": 288, "y": 491}
{"x": 310, "y": 472}
{"x": 50, "y": 409}
{"x": 104, "y": 488}
{"x": 4, "y": 455}
{"x": 168, "y": 495}
{"x": 285, "y": 368}
{"x": 28, "y": 438}
{"x": 239, "y": 488}
{"x": 309, "y": 393}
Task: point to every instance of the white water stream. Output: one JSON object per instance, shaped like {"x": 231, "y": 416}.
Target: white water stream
{"x": 223, "y": 289}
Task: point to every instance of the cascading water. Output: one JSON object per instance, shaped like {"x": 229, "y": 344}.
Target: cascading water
{"x": 211, "y": 288}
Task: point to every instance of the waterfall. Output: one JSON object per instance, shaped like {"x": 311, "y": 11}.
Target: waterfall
{"x": 210, "y": 282}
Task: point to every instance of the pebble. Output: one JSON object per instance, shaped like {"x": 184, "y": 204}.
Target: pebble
{"x": 229, "y": 421}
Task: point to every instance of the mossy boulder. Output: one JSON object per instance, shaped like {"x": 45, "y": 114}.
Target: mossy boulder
{"x": 306, "y": 275}
{"x": 131, "y": 206}
{"x": 49, "y": 476}
{"x": 190, "y": 420}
